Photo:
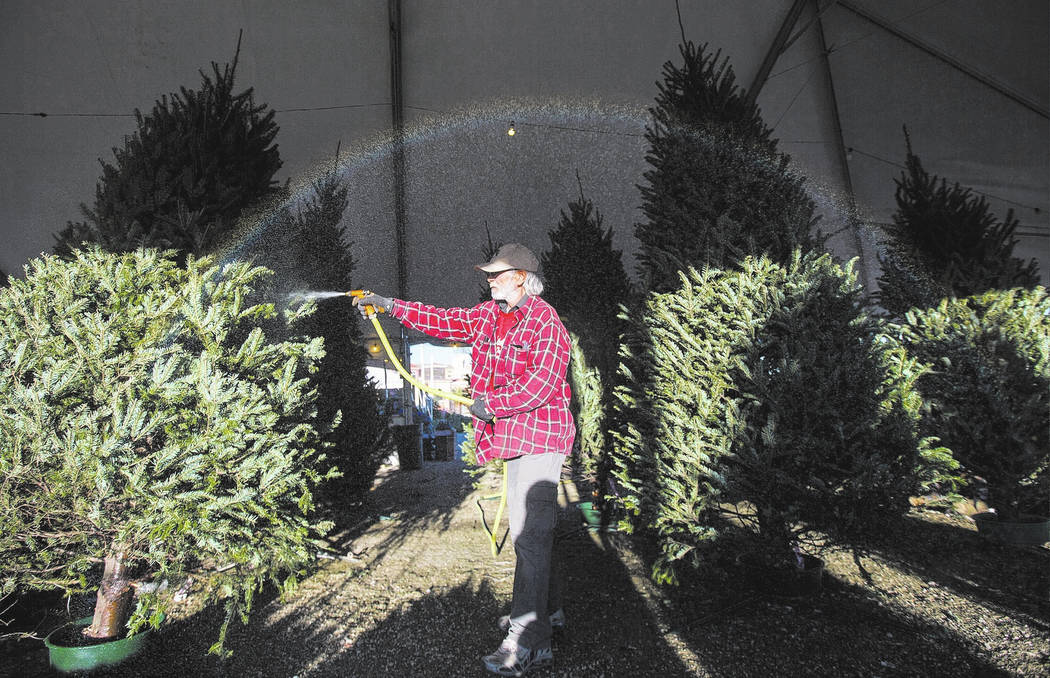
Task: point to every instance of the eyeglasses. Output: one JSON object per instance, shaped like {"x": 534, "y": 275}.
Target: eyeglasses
{"x": 496, "y": 274}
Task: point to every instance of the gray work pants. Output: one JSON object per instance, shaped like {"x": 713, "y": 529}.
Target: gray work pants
{"x": 532, "y": 506}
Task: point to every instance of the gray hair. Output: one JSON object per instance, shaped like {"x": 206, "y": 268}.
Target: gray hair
{"x": 533, "y": 285}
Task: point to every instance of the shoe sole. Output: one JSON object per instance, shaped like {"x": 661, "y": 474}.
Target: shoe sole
{"x": 538, "y": 664}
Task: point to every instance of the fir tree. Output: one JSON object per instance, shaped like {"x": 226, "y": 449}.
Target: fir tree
{"x": 588, "y": 406}
{"x": 763, "y": 396}
{"x": 988, "y": 389}
{"x": 945, "y": 242}
{"x": 148, "y": 421}
{"x": 585, "y": 281}
{"x": 310, "y": 251}
{"x": 182, "y": 179}
{"x": 718, "y": 189}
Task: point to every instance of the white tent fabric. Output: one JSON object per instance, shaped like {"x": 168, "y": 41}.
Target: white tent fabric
{"x": 575, "y": 78}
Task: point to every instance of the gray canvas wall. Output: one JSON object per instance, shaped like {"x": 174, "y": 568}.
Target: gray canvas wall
{"x": 575, "y": 78}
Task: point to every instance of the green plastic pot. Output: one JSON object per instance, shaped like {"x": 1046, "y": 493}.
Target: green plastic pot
{"x": 89, "y": 657}
{"x": 591, "y": 515}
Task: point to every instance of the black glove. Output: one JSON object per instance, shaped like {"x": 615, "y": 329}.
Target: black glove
{"x": 478, "y": 409}
{"x": 379, "y": 304}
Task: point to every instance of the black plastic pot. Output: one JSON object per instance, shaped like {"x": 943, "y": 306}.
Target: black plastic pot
{"x": 1024, "y": 531}
{"x": 409, "y": 441}
{"x": 792, "y": 582}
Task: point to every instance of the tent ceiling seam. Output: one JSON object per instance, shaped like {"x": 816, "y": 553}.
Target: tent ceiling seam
{"x": 921, "y": 44}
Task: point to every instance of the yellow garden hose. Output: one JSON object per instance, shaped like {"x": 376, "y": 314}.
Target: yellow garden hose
{"x": 372, "y": 312}
{"x": 373, "y": 316}
{"x": 494, "y": 545}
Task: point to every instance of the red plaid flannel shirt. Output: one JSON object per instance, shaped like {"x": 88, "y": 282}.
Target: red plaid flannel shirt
{"x": 530, "y": 396}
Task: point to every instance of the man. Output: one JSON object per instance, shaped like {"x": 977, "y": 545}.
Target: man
{"x": 520, "y": 353}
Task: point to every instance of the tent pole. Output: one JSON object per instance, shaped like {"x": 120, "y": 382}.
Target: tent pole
{"x": 852, "y": 217}
{"x": 774, "y": 51}
{"x": 948, "y": 59}
{"x": 397, "y": 111}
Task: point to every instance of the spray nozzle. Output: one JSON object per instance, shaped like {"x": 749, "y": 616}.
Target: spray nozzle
{"x": 370, "y": 309}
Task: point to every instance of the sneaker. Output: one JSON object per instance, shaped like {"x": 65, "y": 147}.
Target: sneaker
{"x": 557, "y": 621}
{"x": 512, "y": 659}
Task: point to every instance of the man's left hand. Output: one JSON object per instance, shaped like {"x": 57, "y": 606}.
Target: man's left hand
{"x": 478, "y": 409}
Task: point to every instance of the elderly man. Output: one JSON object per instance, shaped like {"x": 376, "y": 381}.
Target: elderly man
{"x": 520, "y": 353}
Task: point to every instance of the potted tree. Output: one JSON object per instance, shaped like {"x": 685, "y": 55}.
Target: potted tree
{"x": 149, "y": 430}
{"x": 989, "y": 391}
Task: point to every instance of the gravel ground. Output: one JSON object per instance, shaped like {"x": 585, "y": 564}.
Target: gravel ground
{"x": 419, "y": 593}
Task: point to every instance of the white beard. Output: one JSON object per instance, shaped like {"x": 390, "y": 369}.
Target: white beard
{"x": 499, "y": 292}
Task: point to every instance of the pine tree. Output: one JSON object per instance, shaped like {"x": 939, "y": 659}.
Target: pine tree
{"x": 310, "y": 251}
{"x": 763, "y": 396}
{"x": 988, "y": 389}
{"x": 182, "y": 179}
{"x": 585, "y": 281}
{"x": 718, "y": 189}
{"x": 147, "y": 420}
{"x": 945, "y": 242}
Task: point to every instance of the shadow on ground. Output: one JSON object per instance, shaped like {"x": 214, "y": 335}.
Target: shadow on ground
{"x": 440, "y": 631}
{"x": 842, "y": 632}
{"x": 423, "y": 598}
{"x": 906, "y": 620}
{"x": 425, "y": 499}
{"x": 1010, "y": 579}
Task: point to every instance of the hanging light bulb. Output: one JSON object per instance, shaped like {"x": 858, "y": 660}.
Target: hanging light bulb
{"x": 510, "y": 132}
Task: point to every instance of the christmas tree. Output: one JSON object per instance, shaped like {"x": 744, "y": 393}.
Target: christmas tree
{"x": 148, "y": 422}
{"x": 585, "y": 281}
{"x": 588, "y": 406}
{"x": 988, "y": 389}
{"x": 718, "y": 189}
{"x": 945, "y": 242}
{"x": 309, "y": 249}
{"x": 181, "y": 180}
{"x": 763, "y": 397}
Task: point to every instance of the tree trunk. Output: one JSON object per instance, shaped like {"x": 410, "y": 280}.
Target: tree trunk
{"x": 113, "y": 605}
{"x": 773, "y": 530}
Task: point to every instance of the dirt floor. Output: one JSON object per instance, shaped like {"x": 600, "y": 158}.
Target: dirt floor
{"x": 414, "y": 591}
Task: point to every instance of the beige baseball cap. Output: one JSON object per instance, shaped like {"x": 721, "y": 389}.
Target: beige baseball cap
{"x": 511, "y": 256}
